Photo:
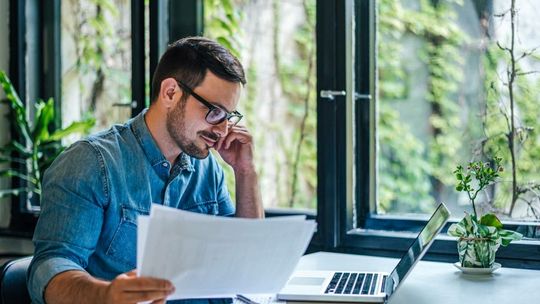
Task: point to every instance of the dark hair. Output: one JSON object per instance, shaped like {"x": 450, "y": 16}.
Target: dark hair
{"x": 188, "y": 60}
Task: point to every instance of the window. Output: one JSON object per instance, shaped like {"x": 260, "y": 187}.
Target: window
{"x": 444, "y": 100}
{"x": 97, "y": 61}
{"x": 440, "y": 98}
{"x": 275, "y": 41}
{"x": 94, "y": 57}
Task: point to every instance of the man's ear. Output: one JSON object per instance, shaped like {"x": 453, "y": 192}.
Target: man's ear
{"x": 168, "y": 92}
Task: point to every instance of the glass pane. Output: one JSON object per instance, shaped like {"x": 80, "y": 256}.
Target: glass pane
{"x": 96, "y": 61}
{"x": 275, "y": 40}
{"x": 445, "y": 98}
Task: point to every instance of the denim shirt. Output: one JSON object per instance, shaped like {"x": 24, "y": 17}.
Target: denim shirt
{"x": 94, "y": 191}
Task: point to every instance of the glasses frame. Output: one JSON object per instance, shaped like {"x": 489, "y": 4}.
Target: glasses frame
{"x": 211, "y": 107}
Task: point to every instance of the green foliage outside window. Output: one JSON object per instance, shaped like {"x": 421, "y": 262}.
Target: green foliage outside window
{"x": 415, "y": 166}
{"x": 295, "y": 156}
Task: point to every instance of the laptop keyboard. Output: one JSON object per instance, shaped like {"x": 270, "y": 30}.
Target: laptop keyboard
{"x": 354, "y": 283}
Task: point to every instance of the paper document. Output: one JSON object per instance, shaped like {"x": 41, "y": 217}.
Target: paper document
{"x": 210, "y": 256}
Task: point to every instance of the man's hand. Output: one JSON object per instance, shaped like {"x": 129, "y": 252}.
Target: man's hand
{"x": 236, "y": 148}
{"x": 76, "y": 286}
{"x": 128, "y": 288}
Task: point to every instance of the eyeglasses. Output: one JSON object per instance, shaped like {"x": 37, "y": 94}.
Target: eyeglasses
{"x": 215, "y": 115}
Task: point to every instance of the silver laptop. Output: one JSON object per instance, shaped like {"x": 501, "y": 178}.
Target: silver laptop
{"x": 368, "y": 287}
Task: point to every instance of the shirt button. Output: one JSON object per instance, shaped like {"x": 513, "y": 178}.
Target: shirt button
{"x": 165, "y": 165}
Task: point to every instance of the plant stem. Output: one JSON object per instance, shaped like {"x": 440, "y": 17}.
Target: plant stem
{"x": 511, "y": 79}
{"x": 472, "y": 198}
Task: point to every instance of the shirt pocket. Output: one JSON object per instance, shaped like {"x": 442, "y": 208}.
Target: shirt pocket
{"x": 123, "y": 246}
{"x": 210, "y": 207}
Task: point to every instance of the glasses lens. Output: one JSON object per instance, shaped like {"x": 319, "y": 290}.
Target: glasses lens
{"x": 215, "y": 116}
{"x": 233, "y": 120}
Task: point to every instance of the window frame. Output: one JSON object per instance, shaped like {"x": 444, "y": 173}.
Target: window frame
{"x": 374, "y": 234}
{"x": 35, "y": 53}
{"x": 34, "y": 36}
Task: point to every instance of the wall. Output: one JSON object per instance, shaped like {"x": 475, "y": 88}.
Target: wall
{"x": 4, "y": 126}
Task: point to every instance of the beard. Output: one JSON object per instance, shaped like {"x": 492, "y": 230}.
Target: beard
{"x": 177, "y": 130}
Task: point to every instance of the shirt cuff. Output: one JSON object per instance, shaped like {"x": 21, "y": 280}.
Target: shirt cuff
{"x": 43, "y": 271}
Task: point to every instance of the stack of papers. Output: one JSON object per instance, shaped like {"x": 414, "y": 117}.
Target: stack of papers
{"x": 212, "y": 257}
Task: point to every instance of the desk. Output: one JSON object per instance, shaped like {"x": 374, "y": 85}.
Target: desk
{"x": 435, "y": 282}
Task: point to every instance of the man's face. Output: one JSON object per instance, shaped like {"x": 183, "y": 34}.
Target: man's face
{"x": 186, "y": 121}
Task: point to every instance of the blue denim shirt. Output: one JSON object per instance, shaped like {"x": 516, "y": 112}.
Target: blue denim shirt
{"x": 94, "y": 191}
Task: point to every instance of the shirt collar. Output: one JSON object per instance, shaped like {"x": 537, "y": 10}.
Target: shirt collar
{"x": 183, "y": 162}
{"x": 150, "y": 147}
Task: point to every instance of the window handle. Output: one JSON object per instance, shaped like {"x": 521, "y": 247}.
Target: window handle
{"x": 132, "y": 104}
{"x": 328, "y": 94}
{"x": 362, "y": 96}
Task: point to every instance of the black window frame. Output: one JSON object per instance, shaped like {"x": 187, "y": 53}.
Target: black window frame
{"x": 34, "y": 69}
{"x": 35, "y": 54}
{"x": 373, "y": 234}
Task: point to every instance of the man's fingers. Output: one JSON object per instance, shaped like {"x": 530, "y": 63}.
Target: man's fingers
{"x": 132, "y": 273}
{"x": 240, "y": 135}
{"x": 239, "y": 127}
{"x": 219, "y": 143}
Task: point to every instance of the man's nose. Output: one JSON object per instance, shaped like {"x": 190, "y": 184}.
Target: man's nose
{"x": 222, "y": 128}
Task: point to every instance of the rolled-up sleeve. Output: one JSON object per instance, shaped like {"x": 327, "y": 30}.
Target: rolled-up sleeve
{"x": 74, "y": 195}
{"x": 43, "y": 270}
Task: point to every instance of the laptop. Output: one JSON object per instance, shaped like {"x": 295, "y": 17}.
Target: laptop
{"x": 368, "y": 287}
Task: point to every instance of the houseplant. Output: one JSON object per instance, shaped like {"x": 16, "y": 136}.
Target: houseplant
{"x": 479, "y": 237}
{"x": 36, "y": 144}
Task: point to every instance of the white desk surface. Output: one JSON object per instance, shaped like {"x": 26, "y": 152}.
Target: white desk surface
{"x": 435, "y": 282}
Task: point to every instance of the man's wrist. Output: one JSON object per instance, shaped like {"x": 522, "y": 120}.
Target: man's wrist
{"x": 76, "y": 284}
{"x": 245, "y": 170}
{"x": 102, "y": 288}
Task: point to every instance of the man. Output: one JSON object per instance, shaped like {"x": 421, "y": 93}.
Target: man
{"x": 85, "y": 239}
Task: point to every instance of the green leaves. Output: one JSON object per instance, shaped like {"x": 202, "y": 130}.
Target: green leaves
{"x": 44, "y": 117}
{"x": 489, "y": 227}
{"x": 74, "y": 128}
{"x": 15, "y": 191}
{"x": 18, "y": 110}
{"x": 491, "y": 219}
{"x": 484, "y": 174}
{"x": 35, "y": 149}
{"x": 222, "y": 23}
{"x": 508, "y": 236}
{"x": 478, "y": 241}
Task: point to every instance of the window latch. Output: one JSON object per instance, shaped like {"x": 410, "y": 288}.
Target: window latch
{"x": 331, "y": 95}
{"x": 362, "y": 96}
{"x": 132, "y": 104}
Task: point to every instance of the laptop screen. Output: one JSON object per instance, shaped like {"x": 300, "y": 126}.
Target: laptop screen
{"x": 418, "y": 248}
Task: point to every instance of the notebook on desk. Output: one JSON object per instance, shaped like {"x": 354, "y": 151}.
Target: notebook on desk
{"x": 369, "y": 287}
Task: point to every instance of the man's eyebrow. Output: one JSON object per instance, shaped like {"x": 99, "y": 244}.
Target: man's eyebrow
{"x": 214, "y": 103}
{"x": 221, "y": 107}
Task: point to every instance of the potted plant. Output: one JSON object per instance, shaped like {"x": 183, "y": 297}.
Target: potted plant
{"x": 36, "y": 144}
{"x": 479, "y": 238}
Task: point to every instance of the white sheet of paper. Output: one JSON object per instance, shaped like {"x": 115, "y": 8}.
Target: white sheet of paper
{"x": 142, "y": 231}
{"x": 208, "y": 256}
